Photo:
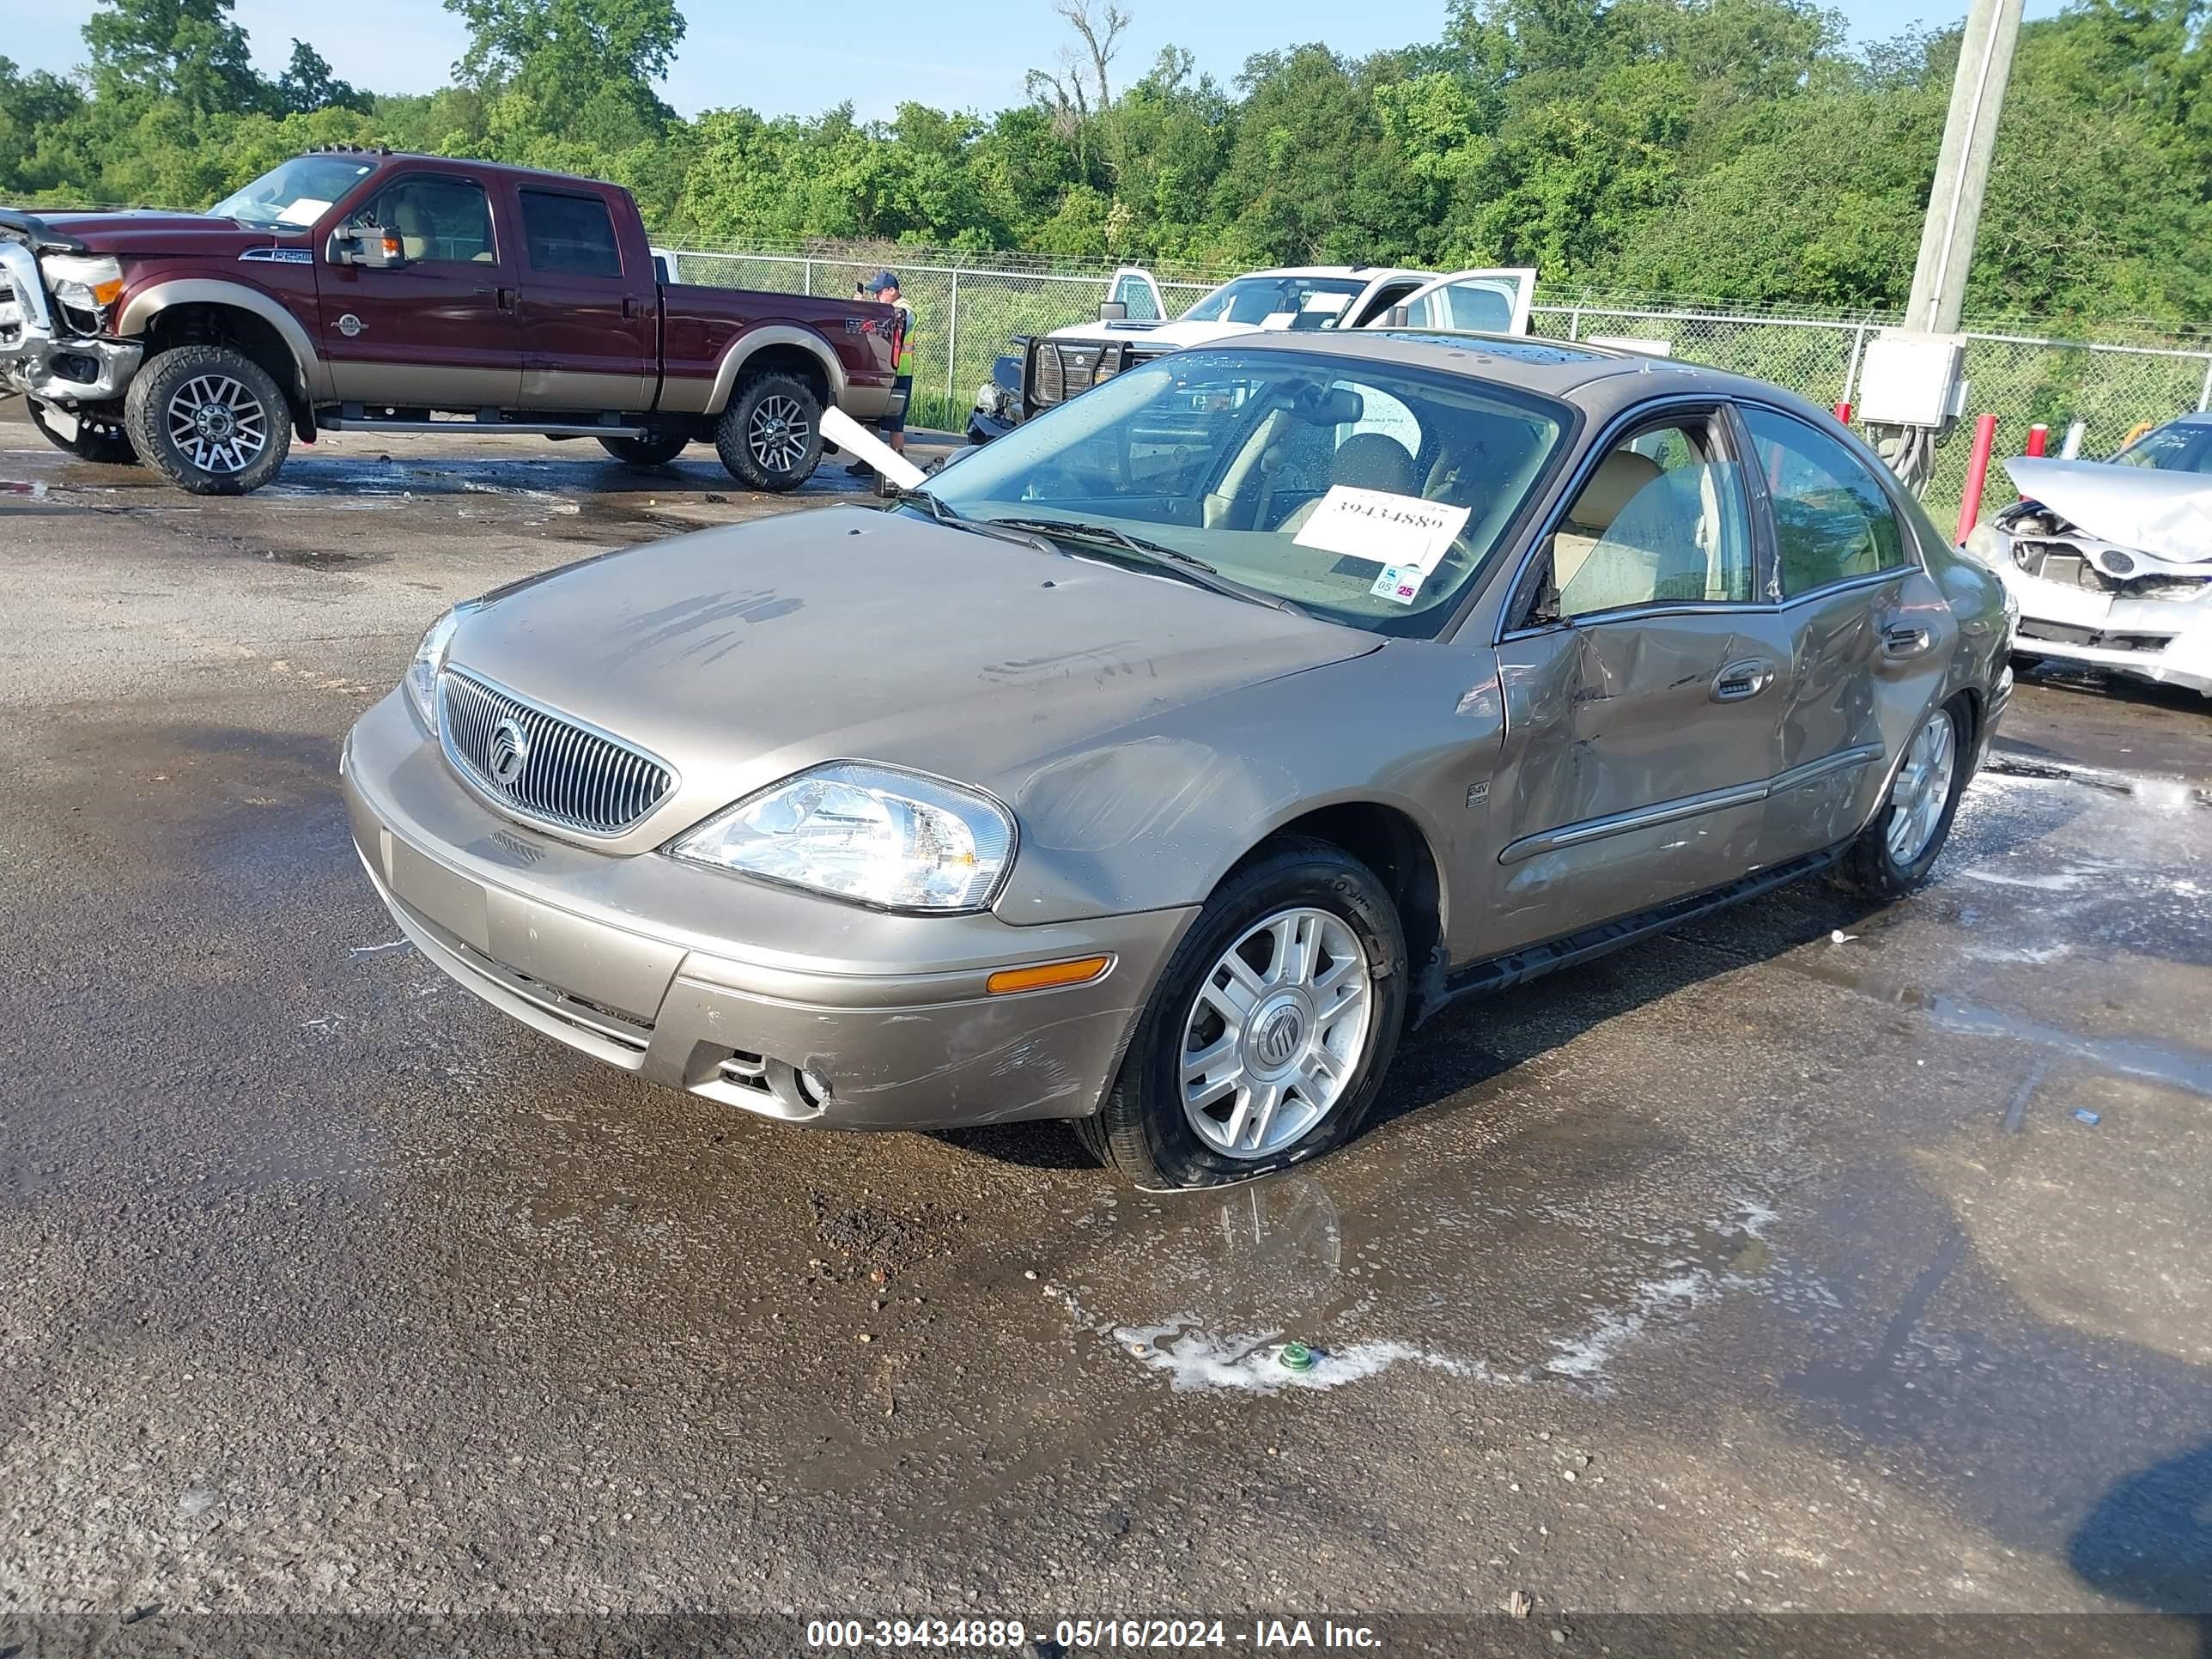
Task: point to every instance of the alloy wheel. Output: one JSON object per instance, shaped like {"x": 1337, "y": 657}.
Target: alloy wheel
{"x": 1922, "y": 787}
{"x": 1275, "y": 1034}
{"x": 778, "y": 434}
{"x": 217, "y": 424}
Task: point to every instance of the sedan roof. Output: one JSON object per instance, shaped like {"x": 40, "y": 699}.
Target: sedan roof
{"x": 1601, "y": 378}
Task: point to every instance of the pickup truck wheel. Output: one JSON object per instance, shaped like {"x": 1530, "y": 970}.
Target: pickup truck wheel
{"x": 656, "y": 451}
{"x": 102, "y": 442}
{"x": 209, "y": 419}
{"x": 770, "y": 436}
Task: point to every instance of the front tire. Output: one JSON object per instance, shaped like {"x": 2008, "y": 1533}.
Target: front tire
{"x": 98, "y": 439}
{"x": 209, "y": 419}
{"x": 770, "y": 436}
{"x": 658, "y": 450}
{"x": 1267, "y": 1037}
{"x": 1894, "y": 854}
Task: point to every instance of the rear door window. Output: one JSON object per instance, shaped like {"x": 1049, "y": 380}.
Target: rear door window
{"x": 1832, "y": 521}
{"x": 573, "y": 236}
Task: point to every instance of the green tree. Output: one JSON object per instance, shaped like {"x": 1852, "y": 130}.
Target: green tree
{"x": 185, "y": 51}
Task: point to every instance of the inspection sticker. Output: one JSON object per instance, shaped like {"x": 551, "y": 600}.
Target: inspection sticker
{"x": 1401, "y": 582}
{"x": 1382, "y": 525}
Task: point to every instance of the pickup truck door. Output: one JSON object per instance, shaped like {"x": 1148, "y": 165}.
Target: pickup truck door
{"x": 439, "y": 331}
{"x": 1494, "y": 301}
{"x": 591, "y": 307}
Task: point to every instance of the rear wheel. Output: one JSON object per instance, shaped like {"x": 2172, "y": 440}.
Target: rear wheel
{"x": 209, "y": 419}
{"x": 770, "y": 436}
{"x": 100, "y": 438}
{"x": 1894, "y": 855}
{"x": 1267, "y": 1037}
{"x": 658, "y": 450}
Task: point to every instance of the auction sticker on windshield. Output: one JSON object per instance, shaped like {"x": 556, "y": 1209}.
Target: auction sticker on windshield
{"x": 1380, "y": 525}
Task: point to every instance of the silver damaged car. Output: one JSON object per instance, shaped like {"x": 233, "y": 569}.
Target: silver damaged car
{"x": 1158, "y": 766}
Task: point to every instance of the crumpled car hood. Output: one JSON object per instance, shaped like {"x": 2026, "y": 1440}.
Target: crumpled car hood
{"x": 741, "y": 655}
{"x": 2167, "y": 515}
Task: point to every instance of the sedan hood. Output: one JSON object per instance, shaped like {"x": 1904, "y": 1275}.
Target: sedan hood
{"x": 741, "y": 655}
{"x": 2167, "y": 515}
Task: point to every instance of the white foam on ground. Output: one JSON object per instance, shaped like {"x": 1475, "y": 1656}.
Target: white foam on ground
{"x": 1193, "y": 1359}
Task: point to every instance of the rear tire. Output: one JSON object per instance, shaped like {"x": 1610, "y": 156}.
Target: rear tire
{"x": 658, "y": 450}
{"x": 1164, "y": 1127}
{"x": 209, "y": 419}
{"x": 99, "y": 439}
{"x": 1894, "y": 855}
{"x": 770, "y": 436}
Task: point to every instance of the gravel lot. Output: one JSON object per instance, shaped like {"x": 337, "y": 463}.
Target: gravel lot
{"x": 1755, "y": 1269}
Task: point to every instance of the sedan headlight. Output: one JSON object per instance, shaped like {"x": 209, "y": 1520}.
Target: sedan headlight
{"x": 83, "y": 281}
{"x": 1986, "y": 542}
{"x": 430, "y": 658}
{"x": 896, "y": 840}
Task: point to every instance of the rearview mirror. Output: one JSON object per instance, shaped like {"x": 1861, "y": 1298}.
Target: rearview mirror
{"x": 1340, "y": 405}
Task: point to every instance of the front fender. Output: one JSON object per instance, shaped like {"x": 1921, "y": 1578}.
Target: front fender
{"x": 1153, "y": 816}
{"x": 140, "y": 310}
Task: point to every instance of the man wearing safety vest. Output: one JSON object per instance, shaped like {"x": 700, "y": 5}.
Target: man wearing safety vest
{"x": 885, "y": 291}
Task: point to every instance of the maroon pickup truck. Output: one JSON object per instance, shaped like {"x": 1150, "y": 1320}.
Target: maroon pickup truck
{"x": 354, "y": 290}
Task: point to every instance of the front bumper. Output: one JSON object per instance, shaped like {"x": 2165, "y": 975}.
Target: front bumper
{"x": 41, "y": 359}
{"x": 2167, "y": 641}
{"x": 736, "y": 990}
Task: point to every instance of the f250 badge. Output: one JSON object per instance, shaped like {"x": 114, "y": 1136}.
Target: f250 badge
{"x": 348, "y": 325}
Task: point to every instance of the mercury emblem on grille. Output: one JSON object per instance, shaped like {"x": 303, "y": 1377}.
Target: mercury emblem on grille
{"x": 509, "y": 752}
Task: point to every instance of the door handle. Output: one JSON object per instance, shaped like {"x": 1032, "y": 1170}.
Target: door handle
{"x": 1740, "y": 680}
{"x": 1905, "y": 640}
{"x": 631, "y": 306}
{"x": 505, "y": 298}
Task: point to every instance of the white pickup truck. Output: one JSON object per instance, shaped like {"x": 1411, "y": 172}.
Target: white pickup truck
{"x": 1132, "y": 324}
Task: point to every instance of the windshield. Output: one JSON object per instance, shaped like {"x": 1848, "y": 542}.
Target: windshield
{"x": 1300, "y": 303}
{"x": 296, "y": 194}
{"x": 1367, "y": 494}
{"x": 2171, "y": 448}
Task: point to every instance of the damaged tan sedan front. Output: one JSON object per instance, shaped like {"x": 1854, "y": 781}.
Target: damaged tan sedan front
{"x": 2112, "y": 565}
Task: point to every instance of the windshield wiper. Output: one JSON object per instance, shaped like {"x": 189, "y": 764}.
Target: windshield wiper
{"x": 946, "y": 514}
{"x": 1202, "y": 575}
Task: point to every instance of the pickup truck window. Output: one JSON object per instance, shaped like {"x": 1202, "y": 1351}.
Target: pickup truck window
{"x": 294, "y": 195}
{"x": 571, "y": 233}
{"x": 440, "y": 219}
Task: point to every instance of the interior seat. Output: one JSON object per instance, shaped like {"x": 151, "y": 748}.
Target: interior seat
{"x": 1366, "y": 460}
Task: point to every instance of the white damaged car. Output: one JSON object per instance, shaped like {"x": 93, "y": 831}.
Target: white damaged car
{"x": 2112, "y": 561}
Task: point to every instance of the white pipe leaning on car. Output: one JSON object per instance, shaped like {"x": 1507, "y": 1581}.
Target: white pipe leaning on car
{"x": 856, "y": 441}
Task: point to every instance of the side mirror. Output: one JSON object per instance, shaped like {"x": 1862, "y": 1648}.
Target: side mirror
{"x": 370, "y": 246}
{"x": 1398, "y": 317}
{"x": 1113, "y": 311}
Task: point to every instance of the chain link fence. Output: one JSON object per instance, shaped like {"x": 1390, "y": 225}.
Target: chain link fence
{"x": 964, "y": 315}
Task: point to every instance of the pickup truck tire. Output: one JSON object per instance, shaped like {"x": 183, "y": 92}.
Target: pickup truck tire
{"x": 101, "y": 441}
{"x": 656, "y": 451}
{"x": 770, "y": 436}
{"x": 209, "y": 419}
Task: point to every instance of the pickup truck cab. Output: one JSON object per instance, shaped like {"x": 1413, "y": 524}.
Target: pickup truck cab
{"x": 359, "y": 290}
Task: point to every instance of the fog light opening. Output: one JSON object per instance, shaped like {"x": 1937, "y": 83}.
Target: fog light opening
{"x": 1046, "y": 975}
{"x": 813, "y": 1088}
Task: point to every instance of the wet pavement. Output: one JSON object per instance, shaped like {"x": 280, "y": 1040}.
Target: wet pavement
{"x": 1815, "y": 1257}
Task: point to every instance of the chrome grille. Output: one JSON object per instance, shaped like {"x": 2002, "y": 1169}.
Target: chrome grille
{"x": 570, "y": 775}
{"x": 1051, "y": 385}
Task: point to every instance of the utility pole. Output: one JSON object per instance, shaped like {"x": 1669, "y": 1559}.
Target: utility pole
{"x": 1910, "y": 383}
{"x": 1962, "y": 170}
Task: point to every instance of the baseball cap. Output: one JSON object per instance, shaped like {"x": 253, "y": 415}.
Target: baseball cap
{"x": 883, "y": 280}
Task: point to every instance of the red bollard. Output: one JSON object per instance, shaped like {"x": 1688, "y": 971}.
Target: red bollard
{"x": 2038, "y": 438}
{"x": 1978, "y": 473}
{"x": 1843, "y": 414}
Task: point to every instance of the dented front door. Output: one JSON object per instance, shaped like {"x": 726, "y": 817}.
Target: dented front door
{"x": 1638, "y": 750}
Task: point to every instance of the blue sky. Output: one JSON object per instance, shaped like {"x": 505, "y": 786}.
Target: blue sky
{"x": 803, "y": 57}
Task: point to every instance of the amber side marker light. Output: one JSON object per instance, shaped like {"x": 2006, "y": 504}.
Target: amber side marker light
{"x": 1045, "y": 975}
